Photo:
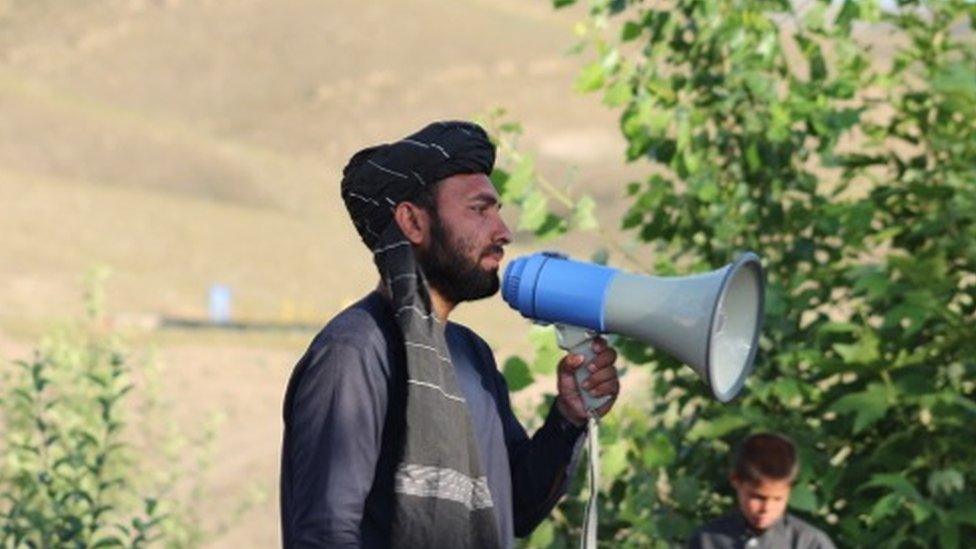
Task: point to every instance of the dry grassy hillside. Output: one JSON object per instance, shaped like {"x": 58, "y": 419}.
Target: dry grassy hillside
{"x": 183, "y": 143}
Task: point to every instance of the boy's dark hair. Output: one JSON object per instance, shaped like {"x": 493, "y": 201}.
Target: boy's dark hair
{"x": 766, "y": 456}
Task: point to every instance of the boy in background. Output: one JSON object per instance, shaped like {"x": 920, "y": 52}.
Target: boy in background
{"x": 763, "y": 472}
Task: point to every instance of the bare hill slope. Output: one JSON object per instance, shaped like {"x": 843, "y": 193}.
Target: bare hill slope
{"x": 184, "y": 143}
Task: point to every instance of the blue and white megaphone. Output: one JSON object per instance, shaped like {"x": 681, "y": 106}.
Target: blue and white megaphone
{"x": 709, "y": 321}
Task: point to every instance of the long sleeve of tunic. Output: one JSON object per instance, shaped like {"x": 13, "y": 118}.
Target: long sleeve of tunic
{"x": 344, "y": 426}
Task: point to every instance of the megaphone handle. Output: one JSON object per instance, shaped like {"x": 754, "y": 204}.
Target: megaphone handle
{"x": 580, "y": 341}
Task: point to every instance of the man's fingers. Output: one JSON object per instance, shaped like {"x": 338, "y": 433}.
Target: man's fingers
{"x": 600, "y": 376}
{"x": 601, "y": 379}
{"x": 570, "y": 363}
{"x": 567, "y": 385}
{"x": 599, "y": 344}
{"x": 574, "y": 400}
{"x": 611, "y": 387}
{"x": 602, "y": 410}
{"x": 605, "y": 358}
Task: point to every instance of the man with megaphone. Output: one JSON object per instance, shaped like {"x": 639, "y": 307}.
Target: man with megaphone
{"x": 398, "y": 426}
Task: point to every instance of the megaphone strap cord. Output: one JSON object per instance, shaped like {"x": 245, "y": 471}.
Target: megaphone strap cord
{"x": 588, "y": 538}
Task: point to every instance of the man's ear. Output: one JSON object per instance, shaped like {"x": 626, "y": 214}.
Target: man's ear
{"x": 414, "y": 222}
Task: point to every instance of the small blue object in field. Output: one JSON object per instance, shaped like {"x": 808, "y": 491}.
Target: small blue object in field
{"x": 220, "y": 304}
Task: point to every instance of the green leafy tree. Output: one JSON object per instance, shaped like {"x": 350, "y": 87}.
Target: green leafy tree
{"x": 773, "y": 126}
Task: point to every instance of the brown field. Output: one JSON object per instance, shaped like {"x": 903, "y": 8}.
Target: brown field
{"x": 183, "y": 143}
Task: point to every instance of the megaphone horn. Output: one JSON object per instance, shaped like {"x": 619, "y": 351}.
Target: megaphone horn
{"x": 709, "y": 321}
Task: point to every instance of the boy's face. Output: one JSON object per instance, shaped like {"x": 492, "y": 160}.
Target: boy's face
{"x": 762, "y": 503}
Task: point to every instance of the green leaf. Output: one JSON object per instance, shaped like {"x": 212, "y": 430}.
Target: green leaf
{"x": 535, "y": 209}
{"x": 630, "y": 31}
{"x": 562, "y": 3}
{"x": 718, "y": 427}
{"x": 634, "y": 351}
{"x": 551, "y": 227}
{"x": 803, "y": 499}
{"x": 886, "y": 506}
{"x": 109, "y": 541}
{"x": 875, "y": 284}
{"x": 945, "y": 482}
{"x": 836, "y": 328}
{"x": 517, "y": 374}
{"x": 686, "y": 491}
{"x": 657, "y": 451}
{"x": 519, "y": 181}
{"x": 614, "y": 459}
{"x": 864, "y": 351}
{"x": 966, "y": 514}
{"x": 583, "y": 214}
{"x": 590, "y": 78}
{"x": 896, "y": 483}
{"x": 848, "y": 13}
{"x": 815, "y": 15}
{"x": 949, "y": 535}
{"x": 499, "y": 180}
{"x": 658, "y": 121}
{"x": 547, "y": 351}
{"x": 707, "y": 191}
{"x": 787, "y": 390}
{"x": 869, "y": 406}
{"x": 921, "y": 511}
{"x": 617, "y": 94}
{"x": 544, "y": 535}
{"x": 753, "y": 159}
{"x": 957, "y": 79}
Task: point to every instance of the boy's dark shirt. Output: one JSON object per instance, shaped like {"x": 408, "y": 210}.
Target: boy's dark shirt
{"x": 344, "y": 425}
{"x": 731, "y": 531}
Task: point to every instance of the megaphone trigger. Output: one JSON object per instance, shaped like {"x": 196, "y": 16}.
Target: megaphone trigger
{"x": 579, "y": 341}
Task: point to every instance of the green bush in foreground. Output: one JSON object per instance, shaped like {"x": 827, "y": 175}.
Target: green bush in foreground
{"x": 66, "y": 477}
{"x": 84, "y": 463}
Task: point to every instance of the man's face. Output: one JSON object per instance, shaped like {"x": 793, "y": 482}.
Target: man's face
{"x": 762, "y": 503}
{"x": 466, "y": 238}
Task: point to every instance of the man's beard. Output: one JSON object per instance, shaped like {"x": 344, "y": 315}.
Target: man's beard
{"x": 451, "y": 271}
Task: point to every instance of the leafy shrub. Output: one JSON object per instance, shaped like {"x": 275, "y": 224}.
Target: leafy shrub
{"x": 66, "y": 476}
{"x": 82, "y": 451}
{"x": 772, "y": 128}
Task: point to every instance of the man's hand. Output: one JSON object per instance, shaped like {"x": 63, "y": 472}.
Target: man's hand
{"x": 602, "y": 381}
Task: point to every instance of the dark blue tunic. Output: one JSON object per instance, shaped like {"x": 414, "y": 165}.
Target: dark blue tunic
{"x": 344, "y": 425}
{"x": 733, "y": 532}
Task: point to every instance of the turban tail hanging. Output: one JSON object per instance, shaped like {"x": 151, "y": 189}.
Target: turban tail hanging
{"x": 442, "y": 497}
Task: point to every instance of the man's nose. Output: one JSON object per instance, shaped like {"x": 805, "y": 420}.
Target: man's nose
{"x": 502, "y": 232}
